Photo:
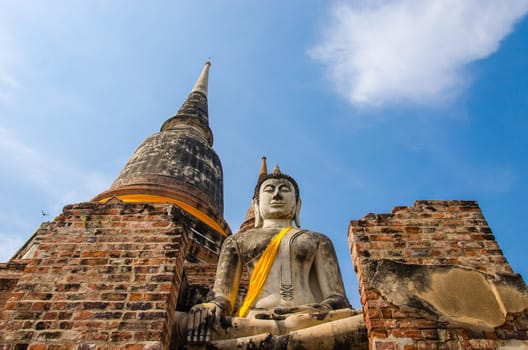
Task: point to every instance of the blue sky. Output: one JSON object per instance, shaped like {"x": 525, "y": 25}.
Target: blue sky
{"x": 368, "y": 104}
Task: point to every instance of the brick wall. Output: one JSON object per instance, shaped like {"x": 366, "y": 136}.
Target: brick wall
{"x": 9, "y": 275}
{"x": 105, "y": 276}
{"x": 395, "y": 254}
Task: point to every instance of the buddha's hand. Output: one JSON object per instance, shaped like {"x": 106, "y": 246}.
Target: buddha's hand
{"x": 305, "y": 309}
{"x": 201, "y": 319}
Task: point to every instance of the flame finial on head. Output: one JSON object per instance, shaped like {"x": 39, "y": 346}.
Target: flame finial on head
{"x": 263, "y": 167}
{"x": 276, "y": 174}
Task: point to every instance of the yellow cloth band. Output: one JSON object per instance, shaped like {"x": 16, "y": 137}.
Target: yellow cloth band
{"x": 160, "y": 199}
{"x": 261, "y": 272}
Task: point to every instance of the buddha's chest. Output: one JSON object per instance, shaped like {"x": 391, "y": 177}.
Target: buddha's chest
{"x": 298, "y": 248}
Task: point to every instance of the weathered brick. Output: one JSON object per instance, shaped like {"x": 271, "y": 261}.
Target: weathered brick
{"x": 92, "y": 279}
{"x": 387, "y": 345}
{"x": 427, "y": 233}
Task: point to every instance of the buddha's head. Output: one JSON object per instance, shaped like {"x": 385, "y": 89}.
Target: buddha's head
{"x": 276, "y": 197}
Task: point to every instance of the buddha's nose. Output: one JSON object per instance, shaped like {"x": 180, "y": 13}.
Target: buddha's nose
{"x": 277, "y": 195}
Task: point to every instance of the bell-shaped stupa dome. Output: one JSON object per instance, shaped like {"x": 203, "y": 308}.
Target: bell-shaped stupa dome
{"x": 178, "y": 164}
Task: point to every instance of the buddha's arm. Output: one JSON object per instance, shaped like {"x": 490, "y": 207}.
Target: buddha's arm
{"x": 228, "y": 274}
{"x": 329, "y": 275}
{"x": 203, "y": 317}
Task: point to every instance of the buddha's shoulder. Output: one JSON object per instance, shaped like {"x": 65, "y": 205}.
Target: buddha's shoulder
{"x": 260, "y": 234}
{"x": 254, "y": 234}
{"x": 314, "y": 234}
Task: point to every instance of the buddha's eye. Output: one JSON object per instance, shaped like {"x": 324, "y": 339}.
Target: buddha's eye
{"x": 285, "y": 188}
{"x": 268, "y": 189}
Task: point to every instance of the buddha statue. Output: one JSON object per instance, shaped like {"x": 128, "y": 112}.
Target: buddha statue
{"x": 295, "y": 293}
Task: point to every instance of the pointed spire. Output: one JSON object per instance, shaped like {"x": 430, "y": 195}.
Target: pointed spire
{"x": 178, "y": 164}
{"x": 276, "y": 170}
{"x": 249, "y": 220}
{"x": 203, "y": 80}
{"x": 194, "y": 111}
{"x": 263, "y": 169}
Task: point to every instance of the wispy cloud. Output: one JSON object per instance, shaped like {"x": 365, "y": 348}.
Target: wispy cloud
{"x": 8, "y": 247}
{"x": 15, "y": 229}
{"x": 49, "y": 175}
{"x": 40, "y": 175}
{"x": 379, "y": 52}
{"x": 8, "y": 59}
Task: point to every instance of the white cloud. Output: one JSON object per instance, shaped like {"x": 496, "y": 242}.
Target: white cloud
{"x": 379, "y": 52}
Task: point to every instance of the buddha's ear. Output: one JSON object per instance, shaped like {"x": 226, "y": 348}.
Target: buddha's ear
{"x": 256, "y": 211}
{"x": 297, "y": 213}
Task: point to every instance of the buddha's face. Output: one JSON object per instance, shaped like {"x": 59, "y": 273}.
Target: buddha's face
{"x": 277, "y": 199}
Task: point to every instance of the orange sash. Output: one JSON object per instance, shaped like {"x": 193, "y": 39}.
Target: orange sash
{"x": 261, "y": 272}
